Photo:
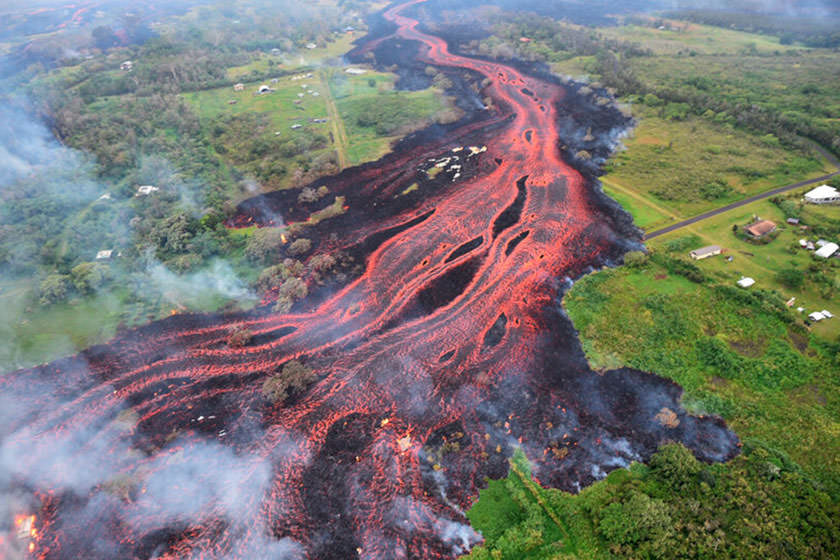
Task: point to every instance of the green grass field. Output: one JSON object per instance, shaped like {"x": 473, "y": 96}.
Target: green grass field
{"x": 671, "y": 165}
{"x": 682, "y": 36}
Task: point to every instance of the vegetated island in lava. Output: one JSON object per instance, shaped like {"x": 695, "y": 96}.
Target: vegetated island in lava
{"x": 445, "y": 352}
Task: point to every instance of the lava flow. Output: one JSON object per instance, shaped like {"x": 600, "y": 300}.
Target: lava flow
{"x": 443, "y": 354}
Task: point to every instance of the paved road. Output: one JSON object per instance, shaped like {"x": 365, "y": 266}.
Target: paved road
{"x": 738, "y": 204}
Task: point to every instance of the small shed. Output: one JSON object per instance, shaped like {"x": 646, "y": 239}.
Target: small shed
{"x": 827, "y": 250}
{"x": 823, "y": 194}
{"x": 761, "y": 228}
{"x": 746, "y": 282}
{"x": 146, "y": 190}
{"x": 705, "y": 252}
{"x": 793, "y": 221}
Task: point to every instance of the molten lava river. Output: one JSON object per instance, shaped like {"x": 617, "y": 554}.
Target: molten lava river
{"x": 445, "y": 351}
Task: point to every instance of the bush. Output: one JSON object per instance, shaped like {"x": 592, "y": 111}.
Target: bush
{"x": 791, "y": 277}
{"x": 89, "y": 277}
{"x": 292, "y": 290}
{"x": 300, "y": 246}
{"x": 264, "y": 244}
{"x": 54, "y": 288}
{"x": 635, "y": 259}
{"x": 239, "y": 336}
{"x": 294, "y": 376}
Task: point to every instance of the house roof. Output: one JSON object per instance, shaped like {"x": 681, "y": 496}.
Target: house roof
{"x": 761, "y": 228}
{"x": 746, "y": 282}
{"x": 823, "y": 191}
{"x": 702, "y": 251}
{"x": 827, "y": 250}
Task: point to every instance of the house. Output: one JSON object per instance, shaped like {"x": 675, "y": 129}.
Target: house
{"x": 106, "y": 196}
{"x": 761, "y": 228}
{"x": 823, "y": 195}
{"x": 746, "y": 282}
{"x": 264, "y": 89}
{"x": 524, "y": 40}
{"x": 104, "y": 255}
{"x": 232, "y": 102}
{"x": 239, "y": 87}
{"x": 816, "y": 316}
{"x": 146, "y": 190}
{"x": 356, "y": 71}
{"x": 793, "y": 221}
{"x": 705, "y": 252}
{"x": 311, "y": 46}
{"x": 297, "y": 126}
{"x": 827, "y": 314}
{"x": 127, "y": 66}
{"x": 827, "y": 250}
{"x": 810, "y": 246}
{"x": 803, "y": 243}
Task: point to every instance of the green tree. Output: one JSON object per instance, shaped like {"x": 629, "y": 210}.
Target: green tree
{"x": 54, "y": 288}
{"x": 264, "y": 245}
{"x": 791, "y": 277}
{"x": 88, "y": 277}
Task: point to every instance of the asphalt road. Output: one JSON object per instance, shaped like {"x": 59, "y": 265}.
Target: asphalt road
{"x": 738, "y": 204}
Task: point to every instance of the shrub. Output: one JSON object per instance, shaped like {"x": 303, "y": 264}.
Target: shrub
{"x": 54, "y": 288}
{"x": 300, "y": 246}
{"x": 89, "y": 277}
{"x": 294, "y": 376}
{"x": 264, "y": 244}
{"x": 791, "y": 277}
{"x": 239, "y": 336}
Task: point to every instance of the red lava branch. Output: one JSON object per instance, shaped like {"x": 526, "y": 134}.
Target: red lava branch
{"x": 447, "y": 352}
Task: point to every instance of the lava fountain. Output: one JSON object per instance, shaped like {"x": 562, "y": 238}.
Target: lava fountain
{"x": 446, "y": 352}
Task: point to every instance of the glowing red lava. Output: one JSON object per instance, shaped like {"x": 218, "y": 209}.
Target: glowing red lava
{"x": 444, "y": 354}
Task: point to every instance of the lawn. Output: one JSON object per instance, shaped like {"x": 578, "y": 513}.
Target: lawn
{"x": 33, "y": 334}
{"x": 686, "y": 167}
{"x": 682, "y": 36}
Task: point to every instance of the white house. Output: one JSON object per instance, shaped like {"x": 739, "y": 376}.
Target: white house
{"x": 127, "y": 66}
{"x": 823, "y": 195}
{"x": 705, "y": 252}
{"x": 816, "y": 316}
{"x": 746, "y": 282}
{"x": 827, "y": 250}
{"x": 146, "y": 190}
{"x": 104, "y": 255}
{"x": 356, "y": 71}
